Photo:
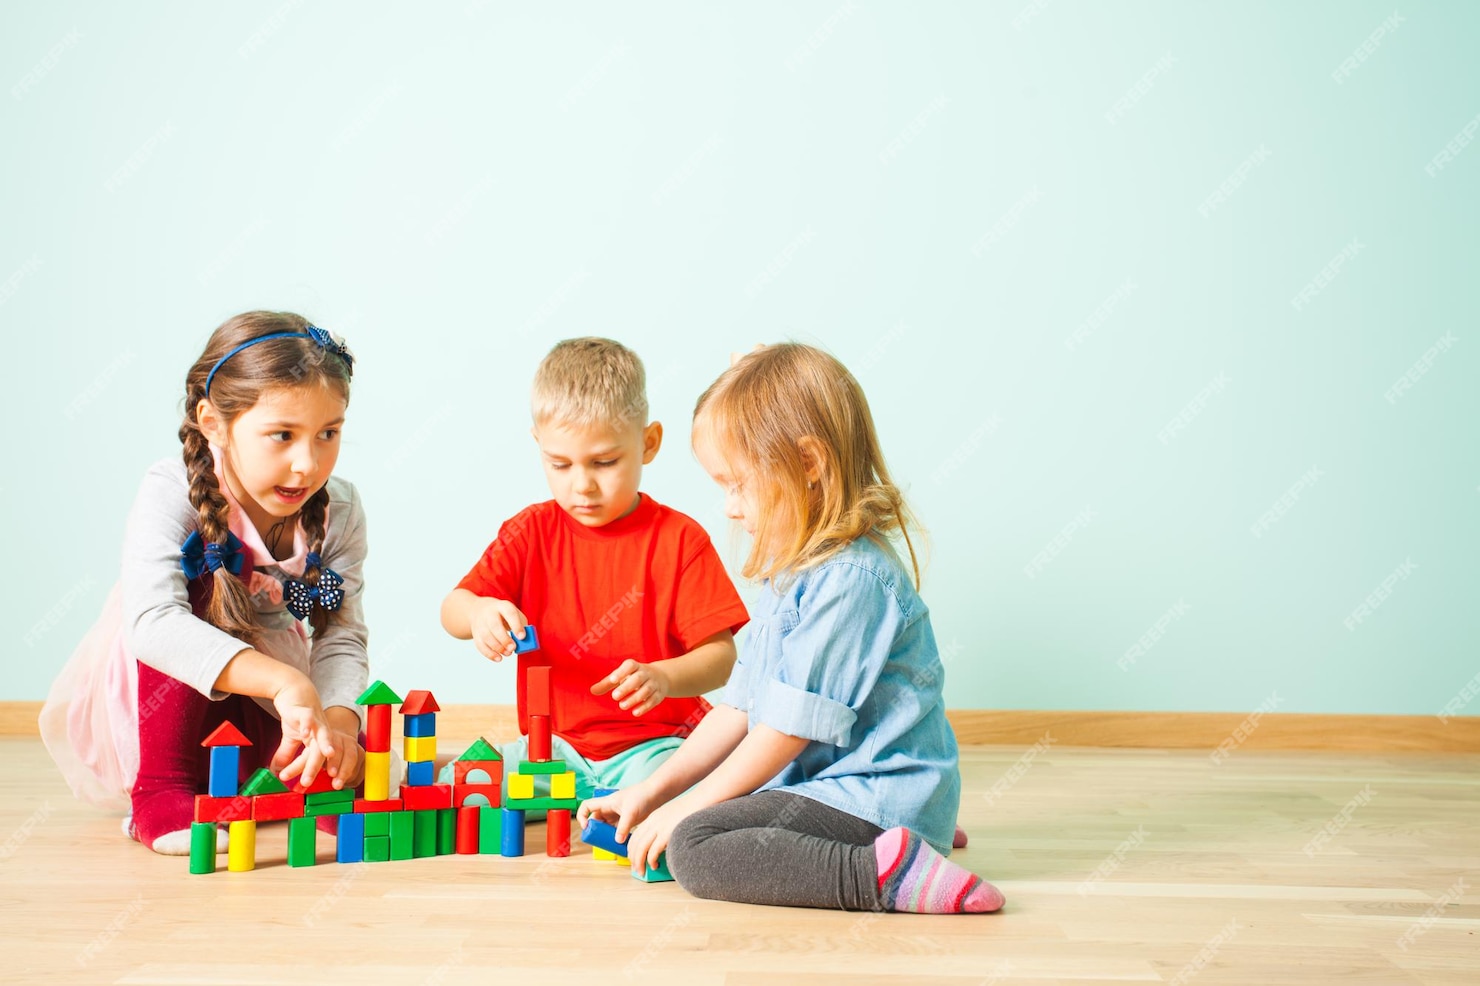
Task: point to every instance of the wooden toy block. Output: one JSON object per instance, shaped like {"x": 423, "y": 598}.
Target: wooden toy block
{"x": 233, "y": 809}
{"x": 557, "y": 832}
{"x": 530, "y": 642}
{"x": 542, "y": 804}
{"x": 241, "y": 846}
{"x": 226, "y": 735}
{"x": 377, "y": 823}
{"x": 419, "y": 748}
{"x": 446, "y": 831}
{"x": 603, "y": 836}
{"x": 424, "y": 838}
{"x": 659, "y": 875}
{"x": 378, "y": 693}
{"x": 389, "y": 804}
{"x": 521, "y": 786}
{"x": 604, "y": 856}
{"x": 425, "y": 798}
{"x": 322, "y": 784}
{"x": 403, "y": 834}
{"x": 225, "y": 762}
{"x": 378, "y": 729}
{"x": 467, "y": 831}
{"x": 332, "y": 808}
{"x": 202, "y": 847}
{"x": 351, "y": 847}
{"x": 420, "y": 726}
{"x": 303, "y": 837}
{"x": 539, "y": 739}
{"x": 420, "y": 773}
{"x": 329, "y": 797}
{"x": 479, "y": 757}
{"x": 602, "y": 792}
{"x": 563, "y": 785}
{"x": 377, "y": 848}
{"x": 275, "y": 807}
{"x": 512, "y": 842}
{"x": 490, "y": 831}
{"x": 537, "y": 691}
{"x": 543, "y": 767}
{"x": 419, "y": 703}
{"x": 263, "y": 781}
{"x": 377, "y": 776}
{"x": 481, "y": 795}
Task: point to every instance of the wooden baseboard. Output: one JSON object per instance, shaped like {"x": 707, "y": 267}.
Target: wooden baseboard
{"x": 460, "y": 724}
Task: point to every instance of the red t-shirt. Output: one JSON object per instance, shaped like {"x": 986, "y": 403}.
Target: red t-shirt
{"x": 647, "y": 586}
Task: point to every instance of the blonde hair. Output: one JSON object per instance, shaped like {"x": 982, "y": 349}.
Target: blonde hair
{"x": 781, "y": 410}
{"x": 590, "y": 382}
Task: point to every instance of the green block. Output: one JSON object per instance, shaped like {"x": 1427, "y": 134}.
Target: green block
{"x": 377, "y": 848}
{"x": 203, "y": 847}
{"x": 542, "y": 804}
{"x": 377, "y": 823}
{"x": 332, "y": 808}
{"x": 490, "y": 830}
{"x": 659, "y": 875}
{"x": 446, "y": 831}
{"x": 302, "y": 841}
{"x": 480, "y": 750}
{"x": 263, "y": 781}
{"x": 424, "y": 841}
{"x": 548, "y": 767}
{"x": 379, "y": 694}
{"x": 403, "y": 834}
{"x": 329, "y": 797}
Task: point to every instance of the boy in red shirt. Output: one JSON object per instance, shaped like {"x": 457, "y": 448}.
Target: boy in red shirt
{"x": 635, "y": 613}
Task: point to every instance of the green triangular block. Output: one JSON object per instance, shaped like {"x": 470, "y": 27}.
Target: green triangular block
{"x": 379, "y": 694}
{"x": 480, "y": 751}
{"x": 263, "y": 781}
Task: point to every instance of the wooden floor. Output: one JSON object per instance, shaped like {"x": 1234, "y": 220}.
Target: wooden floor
{"x": 1130, "y": 865}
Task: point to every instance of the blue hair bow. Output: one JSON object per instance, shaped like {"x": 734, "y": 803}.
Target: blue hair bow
{"x": 197, "y": 557}
{"x": 300, "y": 597}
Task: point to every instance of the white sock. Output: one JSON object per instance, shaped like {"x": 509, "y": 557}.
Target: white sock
{"x": 178, "y": 843}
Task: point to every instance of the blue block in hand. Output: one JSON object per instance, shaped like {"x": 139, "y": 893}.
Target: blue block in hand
{"x": 600, "y": 835}
{"x": 530, "y": 642}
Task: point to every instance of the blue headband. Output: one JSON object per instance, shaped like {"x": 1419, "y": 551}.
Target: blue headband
{"x": 324, "y": 339}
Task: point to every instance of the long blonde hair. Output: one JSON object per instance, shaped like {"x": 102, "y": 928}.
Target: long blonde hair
{"x": 780, "y": 411}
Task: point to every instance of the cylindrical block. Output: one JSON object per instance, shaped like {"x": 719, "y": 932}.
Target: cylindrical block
{"x": 377, "y": 776}
{"x": 513, "y": 833}
{"x": 241, "y": 847}
{"x": 202, "y": 847}
{"x": 467, "y": 830}
{"x": 539, "y": 739}
{"x": 378, "y": 729}
{"x": 557, "y": 832}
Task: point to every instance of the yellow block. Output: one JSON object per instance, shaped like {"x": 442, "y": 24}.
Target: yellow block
{"x": 521, "y": 785}
{"x": 241, "y": 846}
{"x": 419, "y": 748}
{"x": 563, "y": 785}
{"x": 602, "y": 854}
{"x": 377, "y": 776}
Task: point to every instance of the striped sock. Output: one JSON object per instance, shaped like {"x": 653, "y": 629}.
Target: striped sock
{"x": 914, "y": 877}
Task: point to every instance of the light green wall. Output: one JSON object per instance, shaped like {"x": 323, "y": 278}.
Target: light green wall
{"x": 943, "y": 195}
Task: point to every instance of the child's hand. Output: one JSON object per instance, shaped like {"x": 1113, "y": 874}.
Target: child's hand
{"x": 650, "y": 838}
{"x": 308, "y": 739}
{"x": 347, "y": 765}
{"x": 636, "y": 686}
{"x": 623, "y": 810}
{"x": 491, "y": 622}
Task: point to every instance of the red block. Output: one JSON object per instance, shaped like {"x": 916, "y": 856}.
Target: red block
{"x": 424, "y": 798}
{"x": 493, "y": 792}
{"x": 322, "y": 782}
{"x": 462, "y": 768}
{"x": 363, "y": 807}
{"x": 537, "y": 690}
{"x": 467, "y": 831}
{"x": 209, "y": 809}
{"x": 378, "y": 729}
{"x": 274, "y": 807}
{"x": 539, "y": 739}
{"x": 557, "y": 832}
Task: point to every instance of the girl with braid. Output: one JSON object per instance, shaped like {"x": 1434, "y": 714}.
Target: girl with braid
{"x": 240, "y": 596}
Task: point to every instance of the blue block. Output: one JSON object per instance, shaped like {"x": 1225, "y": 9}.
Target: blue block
{"x": 421, "y": 773}
{"x": 530, "y": 642}
{"x": 602, "y": 792}
{"x": 351, "y": 848}
{"x": 512, "y": 842}
{"x": 420, "y": 726}
{"x": 602, "y": 836}
{"x": 225, "y": 764}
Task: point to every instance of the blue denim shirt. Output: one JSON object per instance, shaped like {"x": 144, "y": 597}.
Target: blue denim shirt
{"x": 843, "y": 655}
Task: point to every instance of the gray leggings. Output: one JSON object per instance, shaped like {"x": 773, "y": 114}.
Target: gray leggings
{"x": 777, "y": 848}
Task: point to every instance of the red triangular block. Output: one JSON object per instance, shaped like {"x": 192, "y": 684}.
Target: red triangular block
{"x": 226, "y": 735}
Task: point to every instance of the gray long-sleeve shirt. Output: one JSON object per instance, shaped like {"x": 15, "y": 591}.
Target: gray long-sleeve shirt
{"x": 160, "y": 629}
